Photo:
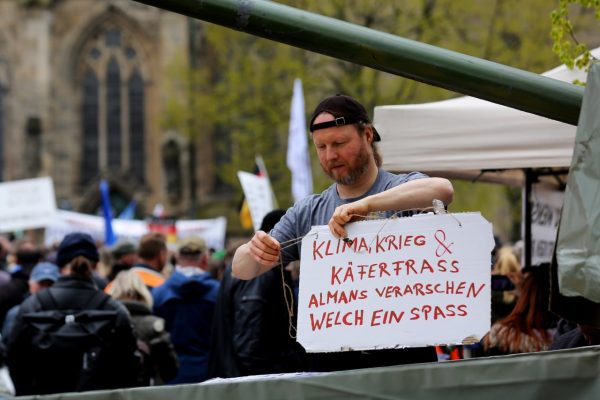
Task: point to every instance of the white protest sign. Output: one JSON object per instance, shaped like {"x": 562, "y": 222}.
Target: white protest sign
{"x": 403, "y": 282}
{"x": 26, "y": 204}
{"x": 211, "y": 230}
{"x": 545, "y": 217}
{"x": 259, "y": 195}
{"x": 68, "y": 222}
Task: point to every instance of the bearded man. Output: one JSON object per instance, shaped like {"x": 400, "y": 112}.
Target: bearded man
{"x": 345, "y": 140}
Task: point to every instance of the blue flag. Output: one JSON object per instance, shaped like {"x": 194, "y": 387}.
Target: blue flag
{"x": 129, "y": 211}
{"x": 109, "y": 236}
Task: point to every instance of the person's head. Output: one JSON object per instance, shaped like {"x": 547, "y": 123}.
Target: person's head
{"x": 271, "y": 219}
{"x": 506, "y": 261}
{"x": 530, "y": 315}
{"x": 43, "y": 275}
{"x": 128, "y": 286}
{"x": 5, "y": 247}
{"x": 193, "y": 252}
{"x": 344, "y": 138}
{"x": 153, "y": 250}
{"x": 77, "y": 255}
{"x": 27, "y": 254}
{"x": 124, "y": 253}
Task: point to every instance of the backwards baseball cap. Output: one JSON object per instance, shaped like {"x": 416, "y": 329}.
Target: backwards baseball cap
{"x": 192, "y": 245}
{"x": 76, "y": 244}
{"x": 346, "y": 111}
{"x": 45, "y": 271}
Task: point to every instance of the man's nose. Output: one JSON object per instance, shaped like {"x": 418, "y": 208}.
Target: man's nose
{"x": 331, "y": 153}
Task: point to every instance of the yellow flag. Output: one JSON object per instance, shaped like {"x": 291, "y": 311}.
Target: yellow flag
{"x": 245, "y": 216}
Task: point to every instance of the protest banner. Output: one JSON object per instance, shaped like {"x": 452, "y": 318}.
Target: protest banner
{"x": 211, "y": 230}
{"x": 403, "y": 282}
{"x": 26, "y": 204}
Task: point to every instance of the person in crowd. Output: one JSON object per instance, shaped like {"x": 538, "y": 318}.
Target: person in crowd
{"x": 27, "y": 254}
{"x": 216, "y": 264}
{"x": 345, "y": 141}
{"x": 100, "y": 352}
{"x": 504, "y": 297}
{"x": 43, "y": 275}
{"x": 7, "y": 388}
{"x": 251, "y": 334}
{"x": 159, "y": 360}
{"x": 570, "y": 335}
{"x": 5, "y": 247}
{"x": 124, "y": 256}
{"x": 186, "y": 301}
{"x": 152, "y": 255}
{"x": 530, "y": 325}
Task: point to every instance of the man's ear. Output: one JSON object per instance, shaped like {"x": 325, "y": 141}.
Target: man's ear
{"x": 369, "y": 134}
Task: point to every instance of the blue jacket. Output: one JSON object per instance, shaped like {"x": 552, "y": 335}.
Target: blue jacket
{"x": 187, "y": 304}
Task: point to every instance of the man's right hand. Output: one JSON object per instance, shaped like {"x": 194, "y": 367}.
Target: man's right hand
{"x": 265, "y": 249}
{"x": 255, "y": 257}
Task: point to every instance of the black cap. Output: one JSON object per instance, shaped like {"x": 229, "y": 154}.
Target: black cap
{"x": 76, "y": 244}
{"x": 346, "y": 111}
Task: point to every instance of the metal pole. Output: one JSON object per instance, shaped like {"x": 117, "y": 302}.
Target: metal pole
{"x": 527, "y": 242}
{"x": 454, "y": 71}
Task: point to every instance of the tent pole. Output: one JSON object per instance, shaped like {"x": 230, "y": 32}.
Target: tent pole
{"x": 512, "y": 87}
{"x": 529, "y": 177}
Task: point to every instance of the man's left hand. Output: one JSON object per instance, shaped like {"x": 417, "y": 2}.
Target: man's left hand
{"x": 347, "y": 213}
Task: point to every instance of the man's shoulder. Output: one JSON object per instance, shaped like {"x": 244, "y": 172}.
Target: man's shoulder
{"x": 149, "y": 276}
{"x": 397, "y": 179}
{"x": 311, "y": 199}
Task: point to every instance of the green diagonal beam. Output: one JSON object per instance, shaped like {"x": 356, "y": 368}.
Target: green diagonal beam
{"x": 450, "y": 70}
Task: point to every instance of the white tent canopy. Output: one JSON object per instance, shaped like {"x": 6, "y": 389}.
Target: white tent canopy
{"x": 467, "y": 134}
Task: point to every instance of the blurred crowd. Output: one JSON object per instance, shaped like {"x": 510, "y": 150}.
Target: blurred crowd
{"x": 173, "y": 317}
{"x": 150, "y": 316}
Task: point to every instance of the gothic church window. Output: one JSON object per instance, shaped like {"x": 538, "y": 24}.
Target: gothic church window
{"x": 112, "y": 86}
{"x": 172, "y": 167}
{"x": 113, "y": 113}
{"x": 90, "y": 127}
{"x": 136, "y": 125}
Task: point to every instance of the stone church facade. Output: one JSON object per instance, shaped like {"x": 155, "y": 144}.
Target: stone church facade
{"x": 82, "y": 91}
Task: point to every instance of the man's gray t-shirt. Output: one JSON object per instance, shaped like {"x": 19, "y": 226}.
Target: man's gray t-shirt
{"x": 317, "y": 210}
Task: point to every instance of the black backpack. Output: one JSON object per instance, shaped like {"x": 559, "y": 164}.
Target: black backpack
{"x": 76, "y": 342}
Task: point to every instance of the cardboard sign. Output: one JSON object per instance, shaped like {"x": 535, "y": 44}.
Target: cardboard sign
{"x": 404, "y": 282}
{"x": 26, "y": 204}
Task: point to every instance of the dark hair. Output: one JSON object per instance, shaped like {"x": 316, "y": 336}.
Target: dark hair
{"x": 376, "y": 155}
{"x": 271, "y": 219}
{"x": 151, "y": 244}
{"x": 81, "y": 267}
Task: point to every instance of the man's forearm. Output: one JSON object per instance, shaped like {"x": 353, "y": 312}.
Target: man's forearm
{"x": 244, "y": 266}
{"x": 418, "y": 193}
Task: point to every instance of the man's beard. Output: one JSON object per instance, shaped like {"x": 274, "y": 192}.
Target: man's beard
{"x": 359, "y": 166}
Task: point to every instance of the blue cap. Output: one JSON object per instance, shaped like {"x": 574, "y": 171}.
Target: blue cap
{"x": 45, "y": 271}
